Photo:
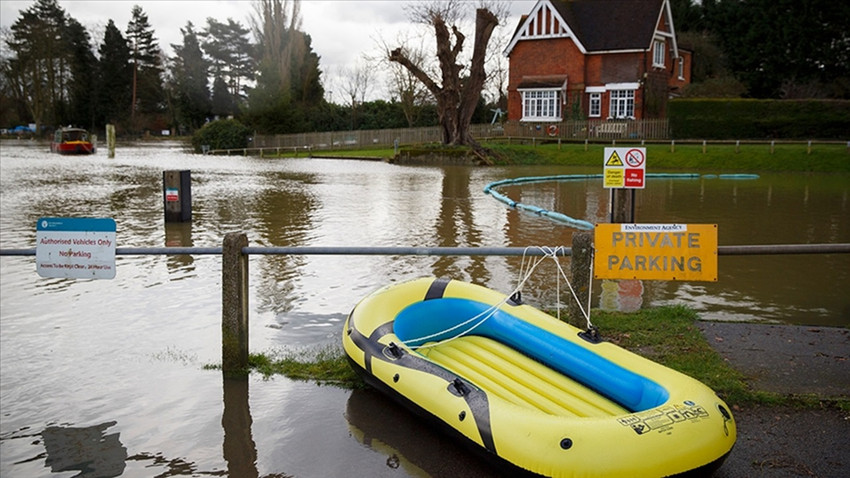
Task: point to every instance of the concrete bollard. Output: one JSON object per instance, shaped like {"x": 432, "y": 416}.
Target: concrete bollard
{"x": 110, "y": 140}
{"x": 580, "y": 260}
{"x": 234, "y": 304}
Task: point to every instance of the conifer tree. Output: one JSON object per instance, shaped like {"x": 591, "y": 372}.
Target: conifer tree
{"x": 82, "y": 83}
{"x": 36, "y": 71}
{"x": 115, "y": 78}
{"x": 231, "y": 56}
{"x": 189, "y": 72}
{"x": 146, "y": 60}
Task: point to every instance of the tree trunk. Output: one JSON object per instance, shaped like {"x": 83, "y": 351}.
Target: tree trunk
{"x": 456, "y": 96}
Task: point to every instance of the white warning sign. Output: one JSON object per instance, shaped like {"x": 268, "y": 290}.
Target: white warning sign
{"x": 625, "y": 168}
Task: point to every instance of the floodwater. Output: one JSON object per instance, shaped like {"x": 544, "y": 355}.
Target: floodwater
{"x": 106, "y": 378}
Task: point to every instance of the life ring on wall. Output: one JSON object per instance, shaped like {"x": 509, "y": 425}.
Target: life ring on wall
{"x": 552, "y": 130}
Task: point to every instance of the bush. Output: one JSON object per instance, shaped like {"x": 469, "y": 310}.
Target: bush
{"x": 759, "y": 119}
{"x": 221, "y": 134}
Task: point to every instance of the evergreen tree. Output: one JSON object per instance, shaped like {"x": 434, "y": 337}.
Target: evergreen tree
{"x": 222, "y": 101}
{"x": 231, "y": 54}
{"x": 687, "y": 16}
{"x": 306, "y": 76}
{"x": 189, "y": 72}
{"x": 146, "y": 60}
{"x": 82, "y": 86}
{"x": 37, "y": 71}
{"x": 115, "y": 78}
{"x": 288, "y": 81}
{"x": 785, "y": 48}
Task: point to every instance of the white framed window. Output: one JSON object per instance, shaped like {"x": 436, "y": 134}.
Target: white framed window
{"x": 681, "y": 68}
{"x": 658, "y": 53}
{"x": 595, "y": 105}
{"x": 622, "y": 104}
{"x": 541, "y": 105}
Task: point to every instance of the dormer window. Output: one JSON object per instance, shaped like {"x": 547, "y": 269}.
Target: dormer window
{"x": 658, "y": 53}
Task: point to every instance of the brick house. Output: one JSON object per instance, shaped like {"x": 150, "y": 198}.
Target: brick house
{"x": 595, "y": 60}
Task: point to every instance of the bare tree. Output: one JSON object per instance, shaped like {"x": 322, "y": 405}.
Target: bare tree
{"x": 402, "y": 85}
{"x": 456, "y": 90}
{"x": 354, "y": 84}
{"x": 274, "y": 24}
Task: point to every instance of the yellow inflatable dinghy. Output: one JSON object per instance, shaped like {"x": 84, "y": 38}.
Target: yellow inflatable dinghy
{"x": 530, "y": 390}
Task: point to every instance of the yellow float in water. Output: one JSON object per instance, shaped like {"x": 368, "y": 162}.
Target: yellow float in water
{"x": 530, "y": 390}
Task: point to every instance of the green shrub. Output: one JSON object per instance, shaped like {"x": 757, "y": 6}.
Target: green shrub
{"x": 759, "y": 119}
{"x": 221, "y": 134}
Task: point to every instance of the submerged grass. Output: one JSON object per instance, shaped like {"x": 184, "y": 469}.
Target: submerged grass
{"x": 327, "y": 366}
{"x": 668, "y": 335}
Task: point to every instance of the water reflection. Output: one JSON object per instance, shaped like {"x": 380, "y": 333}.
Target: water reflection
{"x": 240, "y": 452}
{"x": 179, "y": 234}
{"x": 89, "y": 450}
{"x": 456, "y": 227}
{"x": 408, "y": 442}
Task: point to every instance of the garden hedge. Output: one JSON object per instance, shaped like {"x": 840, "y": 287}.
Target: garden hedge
{"x": 759, "y": 119}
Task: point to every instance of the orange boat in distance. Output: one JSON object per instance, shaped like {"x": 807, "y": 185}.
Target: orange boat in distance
{"x": 72, "y": 141}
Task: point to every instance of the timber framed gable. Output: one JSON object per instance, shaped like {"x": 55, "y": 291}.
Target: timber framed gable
{"x": 543, "y": 22}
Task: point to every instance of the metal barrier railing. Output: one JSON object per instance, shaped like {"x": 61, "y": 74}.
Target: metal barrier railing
{"x": 235, "y": 252}
{"x": 745, "y": 250}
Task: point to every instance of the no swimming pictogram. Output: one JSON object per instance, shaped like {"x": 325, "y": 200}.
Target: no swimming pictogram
{"x": 635, "y": 157}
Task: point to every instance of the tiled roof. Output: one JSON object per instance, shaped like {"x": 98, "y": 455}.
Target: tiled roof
{"x": 605, "y": 25}
{"x": 543, "y": 81}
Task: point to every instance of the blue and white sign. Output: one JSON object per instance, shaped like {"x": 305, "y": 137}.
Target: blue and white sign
{"x": 82, "y": 248}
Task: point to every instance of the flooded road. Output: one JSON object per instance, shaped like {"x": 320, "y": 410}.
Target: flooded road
{"x": 106, "y": 378}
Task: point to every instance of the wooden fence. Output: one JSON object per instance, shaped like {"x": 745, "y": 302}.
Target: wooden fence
{"x": 384, "y": 138}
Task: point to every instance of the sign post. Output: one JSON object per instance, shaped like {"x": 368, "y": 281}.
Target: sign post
{"x": 82, "y": 248}
{"x": 177, "y": 195}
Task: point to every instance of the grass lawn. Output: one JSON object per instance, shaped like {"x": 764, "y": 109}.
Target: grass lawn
{"x": 717, "y": 158}
{"x": 690, "y": 157}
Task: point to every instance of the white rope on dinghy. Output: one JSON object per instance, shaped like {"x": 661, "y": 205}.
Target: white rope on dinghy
{"x": 525, "y": 272}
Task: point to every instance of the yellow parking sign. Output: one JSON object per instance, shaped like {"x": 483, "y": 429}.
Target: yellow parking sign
{"x": 685, "y": 252}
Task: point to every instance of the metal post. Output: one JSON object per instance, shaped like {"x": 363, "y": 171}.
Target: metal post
{"x": 234, "y": 304}
{"x": 177, "y": 195}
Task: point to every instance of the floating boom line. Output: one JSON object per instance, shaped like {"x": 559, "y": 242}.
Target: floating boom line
{"x": 561, "y": 218}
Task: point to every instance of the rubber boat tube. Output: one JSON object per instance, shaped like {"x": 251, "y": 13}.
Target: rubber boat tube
{"x": 531, "y": 391}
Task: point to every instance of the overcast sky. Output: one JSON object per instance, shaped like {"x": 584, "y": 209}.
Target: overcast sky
{"x": 342, "y": 31}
